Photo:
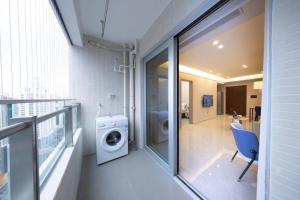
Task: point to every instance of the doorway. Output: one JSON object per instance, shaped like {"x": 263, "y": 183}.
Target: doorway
{"x": 186, "y": 101}
{"x": 223, "y": 56}
{"x": 236, "y": 100}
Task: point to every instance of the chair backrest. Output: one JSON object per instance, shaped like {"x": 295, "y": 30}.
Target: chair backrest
{"x": 237, "y": 126}
{"x": 257, "y": 110}
{"x": 245, "y": 141}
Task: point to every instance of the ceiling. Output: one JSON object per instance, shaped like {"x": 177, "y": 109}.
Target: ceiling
{"x": 127, "y": 20}
{"x": 243, "y": 43}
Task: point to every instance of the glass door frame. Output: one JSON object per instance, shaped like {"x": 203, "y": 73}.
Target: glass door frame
{"x": 170, "y": 44}
{"x": 220, "y": 10}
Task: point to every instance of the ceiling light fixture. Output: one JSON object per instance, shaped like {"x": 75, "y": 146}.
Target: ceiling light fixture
{"x": 216, "y": 42}
{"x": 220, "y": 46}
{"x": 219, "y": 79}
{"x": 196, "y": 72}
{"x": 244, "y": 66}
{"x": 244, "y": 78}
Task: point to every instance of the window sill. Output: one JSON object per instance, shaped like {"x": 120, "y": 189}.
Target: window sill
{"x": 53, "y": 183}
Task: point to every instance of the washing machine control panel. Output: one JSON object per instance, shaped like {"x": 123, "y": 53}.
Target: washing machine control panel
{"x": 109, "y": 122}
{"x": 113, "y": 123}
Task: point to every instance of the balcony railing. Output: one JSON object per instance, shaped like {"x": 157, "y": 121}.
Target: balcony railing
{"x": 31, "y": 146}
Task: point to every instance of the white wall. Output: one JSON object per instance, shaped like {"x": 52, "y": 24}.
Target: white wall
{"x": 92, "y": 79}
{"x": 285, "y": 100}
{"x": 185, "y": 92}
{"x": 175, "y": 13}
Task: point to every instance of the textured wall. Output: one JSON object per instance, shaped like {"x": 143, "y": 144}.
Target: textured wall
{"x": 92, "y": 79}
{"x": 285, "y": 100}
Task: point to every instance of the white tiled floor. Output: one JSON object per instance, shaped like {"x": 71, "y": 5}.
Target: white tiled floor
{"x": 205, "y": 152}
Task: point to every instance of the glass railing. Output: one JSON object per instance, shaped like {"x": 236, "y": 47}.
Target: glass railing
{"x": 30, "y": 146}
{"x": 4, "y": 169}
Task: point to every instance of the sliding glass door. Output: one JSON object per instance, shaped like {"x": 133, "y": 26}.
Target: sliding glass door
{"x": 157, "y": 103}
{"x": 160, "y": 100}
{"x": 221, "y": 61}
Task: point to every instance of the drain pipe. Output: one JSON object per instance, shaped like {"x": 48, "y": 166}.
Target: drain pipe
{"x": 125, "y": 81}
{"x": 132, "y": 64}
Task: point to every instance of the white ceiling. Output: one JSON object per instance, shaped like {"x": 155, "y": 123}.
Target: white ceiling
{"x": 127, "y": 20}
{"x": 243, "y": 42}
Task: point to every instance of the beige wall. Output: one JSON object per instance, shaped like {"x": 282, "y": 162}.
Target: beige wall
{"x": 202, "y": 86}
{"x": 250, "y": 91}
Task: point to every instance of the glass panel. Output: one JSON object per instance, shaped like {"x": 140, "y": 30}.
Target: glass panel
{"x": 113, "y": 138}
{"x": 220, "y": 60}
{"x": 74, "y": 119}
{"x": 4, "y": 170}
{"x": 33, "y": 63}
{"x": 51, "y": 142}
{"x": 157, "y": 104}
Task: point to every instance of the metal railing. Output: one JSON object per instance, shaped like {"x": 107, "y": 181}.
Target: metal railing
{"x": 19, "y": 144}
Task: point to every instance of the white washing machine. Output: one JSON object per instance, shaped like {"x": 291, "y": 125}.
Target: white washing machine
{"x": 111, "y": 137}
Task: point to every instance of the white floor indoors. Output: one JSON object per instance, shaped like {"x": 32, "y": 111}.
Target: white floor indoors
{"x": 133, "y": 177}
{"x": 205, "y": 152}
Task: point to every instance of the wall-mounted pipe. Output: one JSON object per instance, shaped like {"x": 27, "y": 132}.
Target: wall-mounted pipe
{"x": 132, "y": 64}
{"x": 131, "y": 103}
{"x": 125, "y": 55}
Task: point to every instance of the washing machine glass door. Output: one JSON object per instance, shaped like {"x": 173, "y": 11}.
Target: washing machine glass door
{"x": 165, "y": 127}
{"x": 113, "y": 140}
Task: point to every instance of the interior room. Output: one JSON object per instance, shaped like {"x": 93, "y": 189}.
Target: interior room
{"x": 220, "y": 73}
{"x": 149, "y": 99}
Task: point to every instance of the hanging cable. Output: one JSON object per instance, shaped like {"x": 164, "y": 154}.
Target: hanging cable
{"x": 103, "y": 22}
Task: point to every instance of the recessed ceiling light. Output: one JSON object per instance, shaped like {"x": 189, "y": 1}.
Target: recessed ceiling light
{"x": 220, "y": 46}
{"x": 216, "y": 42}
{"x": 244, "y": 66}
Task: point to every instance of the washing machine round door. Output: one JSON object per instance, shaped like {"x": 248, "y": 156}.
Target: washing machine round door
{"x": 164, "y": 127}
{"x": 112, "y": 140}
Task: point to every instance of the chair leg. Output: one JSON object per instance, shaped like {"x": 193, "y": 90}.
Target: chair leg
{"x": 234, "y": 155}
{"x": 246, "y": 169}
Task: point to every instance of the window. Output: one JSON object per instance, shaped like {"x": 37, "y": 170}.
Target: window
{"x": 33, "y": 52}
{"x": 34, "y": 65}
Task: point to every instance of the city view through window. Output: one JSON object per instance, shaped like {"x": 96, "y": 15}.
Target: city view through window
{"x": 33, "y": 65}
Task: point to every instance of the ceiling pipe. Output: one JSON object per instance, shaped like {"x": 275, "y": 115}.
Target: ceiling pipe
{"x": 103, "y": 22}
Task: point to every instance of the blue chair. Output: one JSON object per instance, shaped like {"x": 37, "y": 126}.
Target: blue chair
{"x": 247, "y": 144}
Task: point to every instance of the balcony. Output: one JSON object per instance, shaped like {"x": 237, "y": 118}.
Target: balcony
{"x": 33, "y": 147}
{"x": 41, "y": 158}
